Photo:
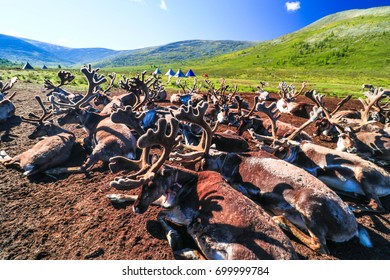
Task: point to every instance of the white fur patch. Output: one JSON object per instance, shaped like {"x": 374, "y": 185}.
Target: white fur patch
{"x": 28, "y": 169}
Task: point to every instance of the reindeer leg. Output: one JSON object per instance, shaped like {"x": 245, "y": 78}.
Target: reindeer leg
{"x": 63, "y": 170}
{"x": 174, "y": 239}
{"x": 125, "y": 198}
{"x": 312, "y": 241}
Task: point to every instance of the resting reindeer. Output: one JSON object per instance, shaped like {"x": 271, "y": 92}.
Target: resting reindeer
{"x": 263, "y": 126}
{"x": 293, "y": 196}
{"x": 373, "y": 145}
{"x": 50, "y": 152}
{"x": 223, "y": 223}
{"x": 189, "y": 94}
{"x": 343, "y": 172}
{"x": 58, "y": 92}
{"x": 7, "y": 108}
{"x": 287, "y": 104}
{"x": 108, "y": 138}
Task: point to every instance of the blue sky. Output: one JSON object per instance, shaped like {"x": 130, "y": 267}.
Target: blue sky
{"x": 131, "y": 24}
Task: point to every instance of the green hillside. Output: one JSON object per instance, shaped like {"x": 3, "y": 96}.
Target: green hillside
{"x": 356, "y": 40}
{"x": 175, "y": 52}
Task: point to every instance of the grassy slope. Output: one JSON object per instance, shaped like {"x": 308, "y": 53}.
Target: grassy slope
{"x": 175, "y": 53}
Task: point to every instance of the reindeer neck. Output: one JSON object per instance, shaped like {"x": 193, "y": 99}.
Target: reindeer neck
{"x": 55, "y": 130}
{"x": 91, "y": 120}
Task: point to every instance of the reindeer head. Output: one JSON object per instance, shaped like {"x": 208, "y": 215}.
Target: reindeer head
{"x": 347, "y": 141}
{"x": 163, "y": 186}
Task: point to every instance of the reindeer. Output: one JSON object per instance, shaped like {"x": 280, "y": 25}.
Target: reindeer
{"x": 263, "y": 126}
{"x": 294, "y": 197}
{"x": 188, "y": 94}
{"x": 58, "y": 92}
{"x": 52, "y": 151}
{"x": 287, "y": 104}
{"x": 330, "y": 123}
{"x": 365, "y": 143}
{"x": 262, "y": 94}
{"x": 223, "y": 223}
{"x": 228, "y": 140}
{"x": 7, "y": 108}
{"x": 108, "y": 138}
{"x": 343, "y": 172}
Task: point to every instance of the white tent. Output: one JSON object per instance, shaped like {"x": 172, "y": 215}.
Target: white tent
{"x": 170, "y": 72}
{"x": 157, "y": 71}
{"x": 179, "y": 74}
{"x": 190, "y": 73}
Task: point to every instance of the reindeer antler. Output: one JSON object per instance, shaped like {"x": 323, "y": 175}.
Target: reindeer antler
{"x": 372, "y": 99}
{"x": 112, "y": 77}
{"x": 65, "y": 77}
{"x": 128, "y": 116}
{"x": 7, "y": 86}
{"x": 313, "y": 117}
{"x": 33, "y": 118}
{"x": 273, "y": 114}
{"x": 195, "y": 115}
{"x": 149, "y": 139}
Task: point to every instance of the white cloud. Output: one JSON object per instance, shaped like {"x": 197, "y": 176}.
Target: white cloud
{"x": 163, "y": 5}
{"x": 293, "y": 6}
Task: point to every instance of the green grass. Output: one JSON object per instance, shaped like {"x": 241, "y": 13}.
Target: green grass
{"x": 332, "y": 82}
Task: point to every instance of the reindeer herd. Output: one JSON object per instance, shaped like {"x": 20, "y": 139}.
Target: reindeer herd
{"x": 234, "y": 201}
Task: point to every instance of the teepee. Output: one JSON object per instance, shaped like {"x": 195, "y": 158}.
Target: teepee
{"x": 170, "y": 72}
{"x": 190, "y": 73}
{"x": 179, "y": 74}
{"x": 27, "y": 66}
{"x": 157, "y": 71}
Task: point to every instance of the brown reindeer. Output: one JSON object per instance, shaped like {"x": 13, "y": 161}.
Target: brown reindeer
{"x": 109, "y": 139}
{"x": 188, "y": 94}
{"x": 287, "y": 104}
{"x": 7, "y": 108}
{"x": 343, "y": 172}
{"x": 223, "y": 223}
{"x": 293, "y": 196}
{"x": 369, "y": 144}
{"x": 228, "y": 141}
{"x": 263, "y": 126}
{"x": 52, "y": 151}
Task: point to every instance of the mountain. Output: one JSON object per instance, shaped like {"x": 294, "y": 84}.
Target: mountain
{"x": 175, "y": 52}
{"x": 20, "y": 50}
{"x": 74, "y": 55}
{"x": 351, "y": 40}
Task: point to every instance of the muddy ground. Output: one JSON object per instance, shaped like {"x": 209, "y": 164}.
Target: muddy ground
{"x": 71, "y": 218}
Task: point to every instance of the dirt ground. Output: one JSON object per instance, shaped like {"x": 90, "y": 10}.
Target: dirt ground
{"x": 71, "y": 218}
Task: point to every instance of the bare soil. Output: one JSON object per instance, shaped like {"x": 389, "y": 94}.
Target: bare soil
{"x": 71, "y": 218}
